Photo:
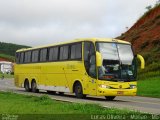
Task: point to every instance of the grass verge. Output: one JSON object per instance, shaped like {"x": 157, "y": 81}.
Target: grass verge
{"x": 149, "y": 87}
{"x": 12, "y": 103}
{"x": 21, "y": 104}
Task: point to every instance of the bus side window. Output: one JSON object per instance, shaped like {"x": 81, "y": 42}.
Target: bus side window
{"x": 90, "y": 59}
{"x": 43, "y": 55}
{"x": 53, "y": 54}
{"x": 35, "y": 55}
{"x": 76, "y": 51}
{"x": 64, "y": 52}
{"x": 21, "y": 57}
{"x": 17, "y": 57}
{"x": 27, "y": 57}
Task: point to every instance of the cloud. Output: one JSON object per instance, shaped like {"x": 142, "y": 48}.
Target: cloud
{"x": 38, "y": 22}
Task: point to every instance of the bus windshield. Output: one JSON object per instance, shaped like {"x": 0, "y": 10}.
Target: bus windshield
{"x": 118, "y": 62}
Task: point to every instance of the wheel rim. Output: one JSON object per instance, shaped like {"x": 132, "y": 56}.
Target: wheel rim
{"x": 26, "y": 86}
{"x": 34, "y": 87}
{"x": 79, "y": 90}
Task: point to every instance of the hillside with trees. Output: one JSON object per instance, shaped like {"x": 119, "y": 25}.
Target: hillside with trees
{"x": 7, "y": 50}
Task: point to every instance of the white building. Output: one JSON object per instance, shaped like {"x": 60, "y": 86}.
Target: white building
{"x": 6, "y": 67}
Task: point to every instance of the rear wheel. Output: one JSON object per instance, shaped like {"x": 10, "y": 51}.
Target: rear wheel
{"x": 110, "y": 98}
{"x": 51, "y": 92}
{"x": 34, "y": 87}
{"x": 61, "y": 93}
{"x": 26, "y": 86}
{"x": 79, "y": 90}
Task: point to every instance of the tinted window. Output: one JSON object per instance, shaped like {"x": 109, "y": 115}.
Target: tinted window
{"x": 86, "y": 51}
{"x": 53, "y": 54}
{"x": 61, "y": 53}
{"x": 73, "y": 51}
{"x": 43, "y": 54}
{"x": 76, "y": 51}
{"x": 27, "y": 57}
{"x": 90, "y": 59}
{"x": 64, "y": 52}
{"x": 35, "y": 55}
{"x": 21, "y": 57}
{"x": 17, "y": 57}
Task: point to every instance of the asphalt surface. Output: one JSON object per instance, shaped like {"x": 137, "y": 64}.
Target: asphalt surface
{"x": 142, "y": 104}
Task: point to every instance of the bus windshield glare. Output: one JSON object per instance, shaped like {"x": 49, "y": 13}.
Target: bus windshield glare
{"x": 118, "y": 62}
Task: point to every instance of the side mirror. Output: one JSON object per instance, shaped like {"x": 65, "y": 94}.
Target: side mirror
{"x": 98, "y": 59}
{"x": 142, "y": 61}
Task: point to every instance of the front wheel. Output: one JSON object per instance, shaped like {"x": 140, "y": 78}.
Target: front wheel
{"x": 110, "y": 98}
{"x": 79, "y": 91}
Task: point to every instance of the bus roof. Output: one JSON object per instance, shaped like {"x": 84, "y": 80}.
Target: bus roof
{"x": 77, "y": 40}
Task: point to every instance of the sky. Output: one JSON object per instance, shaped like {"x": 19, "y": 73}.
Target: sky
{"x": 41, "y": 22}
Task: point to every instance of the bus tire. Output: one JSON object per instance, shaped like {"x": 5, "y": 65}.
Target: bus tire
{"x": 34, "y": 87}
{"x": 109, "y": 98}
{"x": 51, "y": 92}
{"x": 61, "y": 93}
{"x": 79, "y": 90}
{"x": 26, "y": 86}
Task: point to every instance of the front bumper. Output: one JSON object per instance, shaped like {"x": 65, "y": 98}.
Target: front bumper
{"x": 116, "y": 92}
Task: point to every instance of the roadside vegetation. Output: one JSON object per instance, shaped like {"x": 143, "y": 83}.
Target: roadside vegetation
{"x": 150, "y": 71}
{"x": 5, "y": 75}
{"x": 149, "y": 87}
{"x": 45, "y": 105}
{"x": 149, "y": 80}
{"x": 12, "y": 103}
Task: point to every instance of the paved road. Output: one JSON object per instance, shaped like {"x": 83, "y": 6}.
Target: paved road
{"x": 143, "y": 104}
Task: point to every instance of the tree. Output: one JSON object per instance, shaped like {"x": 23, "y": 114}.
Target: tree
{"x": 149, "y": 7}
{"x": 157, "y": 3}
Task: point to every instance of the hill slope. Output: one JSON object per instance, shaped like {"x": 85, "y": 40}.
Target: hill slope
{"x": 145, "y": 35}
{"x": 7, "y": 50}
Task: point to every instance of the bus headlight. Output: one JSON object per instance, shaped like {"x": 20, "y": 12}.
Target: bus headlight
{"x": 104, "y": 86}
{"x": 133, "y": 86}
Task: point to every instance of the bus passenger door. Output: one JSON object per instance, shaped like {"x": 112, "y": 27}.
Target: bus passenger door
{"x": 90, "y": 66}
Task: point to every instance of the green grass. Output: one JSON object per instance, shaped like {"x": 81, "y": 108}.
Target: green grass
{"x": 11, "y": 103}
{"x": 6, "y": 75}
{"x": 149, "y": 75}
{"x": 149, "y": 80}
{"x": 149, "y": 87}
{"x": 150, "y": 71}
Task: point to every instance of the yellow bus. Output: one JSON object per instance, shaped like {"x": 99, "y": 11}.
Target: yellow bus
{"x": 95, "y": 66}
